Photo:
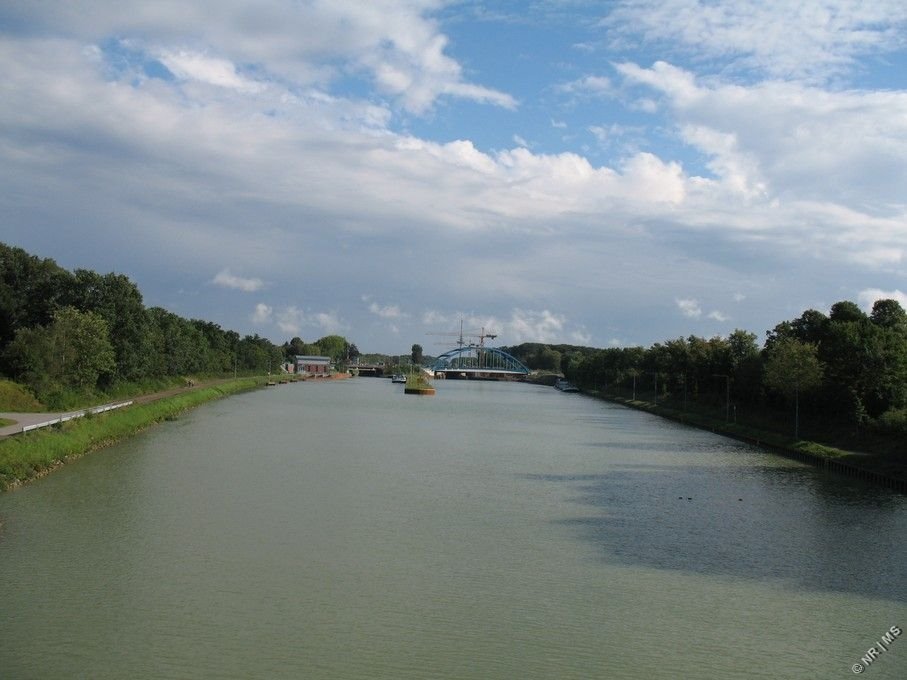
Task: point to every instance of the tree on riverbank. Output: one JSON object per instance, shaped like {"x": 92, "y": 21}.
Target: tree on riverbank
{"x": 73, "y": 352}
{"x": 67, "y": 335}
{"x": 793, "y": 368}
{"x": 858, "y": 398}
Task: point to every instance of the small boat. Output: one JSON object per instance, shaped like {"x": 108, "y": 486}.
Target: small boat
{"x": 565, "y": 386}
{"x": 398, "y": 378}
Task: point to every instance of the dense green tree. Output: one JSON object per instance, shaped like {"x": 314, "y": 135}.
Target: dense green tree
{"x": 793, "y": 368}
{"x": 218, "y": 349}
{"x": 889, "y": 314}
{"x": 72, "y": 352}
{"x": 741, "y": 347}
{"x": 545, "y": 359}
{"x": 179, "y": 348}
{"x": 119, "y": 301}
{"x": 31, "y": 290}
{"x": 145, "y": 342}
{"x": 745, "y": 366}
{"x": 334, "y": 346}
{"x": 416, "y": 354}
{"x": 258, "y": 354}
{"x": 295, "y": 347}
{"x": 846, "y": 311}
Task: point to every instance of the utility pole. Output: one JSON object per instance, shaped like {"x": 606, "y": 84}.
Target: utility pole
{"x": 727, "y": 396}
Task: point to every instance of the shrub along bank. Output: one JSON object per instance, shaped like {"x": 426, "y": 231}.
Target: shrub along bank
{"x": 877, "y": 468}
{"x": 25, "y": 457}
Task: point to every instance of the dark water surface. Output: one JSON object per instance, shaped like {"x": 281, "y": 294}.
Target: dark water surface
{"x": 344, "y": 530}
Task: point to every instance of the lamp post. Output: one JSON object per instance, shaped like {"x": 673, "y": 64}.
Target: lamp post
{"x": 727, "y": 396}
{"x": 655, "y": 394}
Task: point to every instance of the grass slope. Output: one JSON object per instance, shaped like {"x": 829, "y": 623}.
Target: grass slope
{"x": 25, "y": 457}
{"x": 15, "y": 398}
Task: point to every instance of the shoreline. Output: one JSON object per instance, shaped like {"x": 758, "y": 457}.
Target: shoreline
{"x": 812, "y": 453}
{"x": 26, "y": 457}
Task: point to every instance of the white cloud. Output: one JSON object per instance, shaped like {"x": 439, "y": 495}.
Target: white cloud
{"x": 869, "y": 296}
{"x": 433, "y": 318}
{"x": 246, "y": 158}
{"x": 200, "y": 67}
{"x": 386, "y": 311}
{"x": 814, "y": 40}
{"x": 625, "y": 138}
{"x": 522, "y": 325}
{"x": 330, "y": 322}
{"x": 227, "y": 280}
{"x": 262, "y": 314}
{"x": 393, "y": 42}
{"x": 290, "y": 320}
{"x": 580, "y": 337}
{"x": 819, "y": 171}
{"x": 590, "y": 86}
{"x": 534, "y": 326}
{"x": 689, "y": 308}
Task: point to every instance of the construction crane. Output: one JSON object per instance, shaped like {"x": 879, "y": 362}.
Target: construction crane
{"x": 461, "y": 336}
{"x": 466, "y": 340}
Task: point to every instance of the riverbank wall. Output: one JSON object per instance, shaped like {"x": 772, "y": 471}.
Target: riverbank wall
{"x": 28, "y": 456}
{"x": 812, "y": 453}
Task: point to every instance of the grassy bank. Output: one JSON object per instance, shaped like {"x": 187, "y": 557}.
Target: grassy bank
{"x": 887, "y": 470}
{"x": 15, "y": 397}
{"x": 25, "y": 457}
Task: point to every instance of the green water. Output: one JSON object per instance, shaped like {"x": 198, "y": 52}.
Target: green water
{"x": 344, "y": 530}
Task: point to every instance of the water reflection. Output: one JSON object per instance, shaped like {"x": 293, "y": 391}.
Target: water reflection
{"x": 746, "y": 522}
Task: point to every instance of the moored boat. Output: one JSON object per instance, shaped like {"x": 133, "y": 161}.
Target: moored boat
{"x": 565, "y": 386}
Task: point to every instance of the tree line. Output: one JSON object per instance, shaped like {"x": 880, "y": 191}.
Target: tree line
{"x": 68, "y": 334}
{"x": 845, "y": 372}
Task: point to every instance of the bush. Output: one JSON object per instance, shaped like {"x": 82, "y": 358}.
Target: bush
{"x": 893, "y": 422}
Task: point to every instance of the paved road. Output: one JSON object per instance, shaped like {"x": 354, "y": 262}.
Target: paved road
{"x": 26, "y": 419}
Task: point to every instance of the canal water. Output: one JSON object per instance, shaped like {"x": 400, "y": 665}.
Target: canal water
{"x": 495, "y": 530}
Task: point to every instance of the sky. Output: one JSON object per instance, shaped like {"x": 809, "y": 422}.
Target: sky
{"x": 604, "y": 174}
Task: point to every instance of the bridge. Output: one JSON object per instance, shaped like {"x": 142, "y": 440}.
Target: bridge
{"x": 478, "y": 362}
{"x": 367, "y": 369}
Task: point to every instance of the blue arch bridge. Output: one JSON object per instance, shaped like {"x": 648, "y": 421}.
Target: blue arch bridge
{"x": 478, "y": 363}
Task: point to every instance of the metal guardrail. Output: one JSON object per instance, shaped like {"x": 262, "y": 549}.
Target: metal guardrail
{"x": 77, "y": 414}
